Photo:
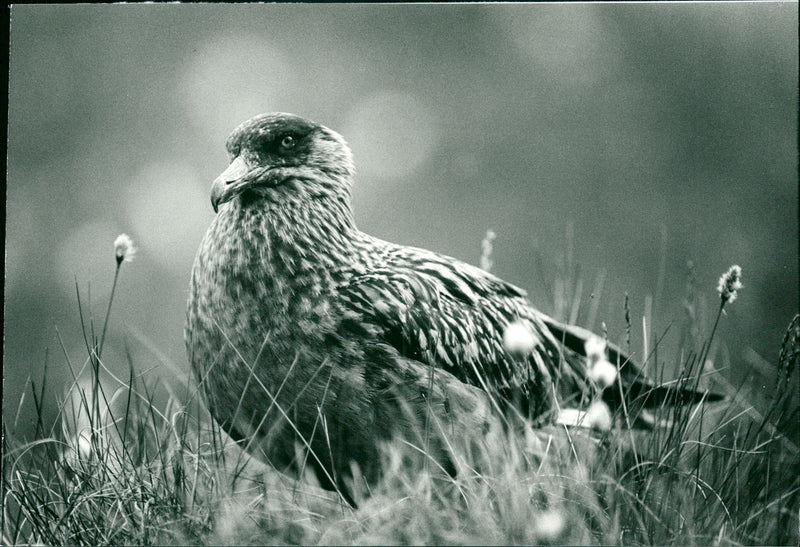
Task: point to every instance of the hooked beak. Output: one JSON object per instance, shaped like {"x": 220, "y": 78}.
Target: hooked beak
{"x": 230, "y": 183}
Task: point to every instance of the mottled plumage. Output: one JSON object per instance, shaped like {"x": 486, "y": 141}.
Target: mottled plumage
{"x": 306, "y": 332}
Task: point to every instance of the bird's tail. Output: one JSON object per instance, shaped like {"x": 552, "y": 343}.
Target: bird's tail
{"x": 636, "y": 387}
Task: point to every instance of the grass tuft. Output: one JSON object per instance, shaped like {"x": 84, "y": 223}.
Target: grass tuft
{"x": 134, "y": 461}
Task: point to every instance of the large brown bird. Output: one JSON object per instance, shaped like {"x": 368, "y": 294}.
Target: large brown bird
{"x": 308, "y": 333}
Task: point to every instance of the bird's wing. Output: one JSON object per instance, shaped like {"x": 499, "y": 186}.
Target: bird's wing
{"x": 450, "y": 315}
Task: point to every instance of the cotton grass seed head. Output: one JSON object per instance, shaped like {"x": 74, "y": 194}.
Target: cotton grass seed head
{"x": 124, "y": 249}
{"x": 730, "y": 283}
{"x": 550, "y": 526}
{"x": 519, "y": 339}
{"x": 595, "y": 349}
{"x": 598, "y": 368}
{"x": 602, "y": 372}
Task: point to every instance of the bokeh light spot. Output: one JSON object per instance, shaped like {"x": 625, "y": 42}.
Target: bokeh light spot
{"x": 570, "y": 45}
{"x": 87, "y": 253}
{"x": 169, "y": 210}
{"x": 232, "y": 79}
{"x": 24, "y": 235}
{"x": 391, "y": 134}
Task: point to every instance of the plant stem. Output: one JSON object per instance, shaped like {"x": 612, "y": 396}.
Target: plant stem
{"x": 704, "y": 354}
{"x": 108, "y": 311}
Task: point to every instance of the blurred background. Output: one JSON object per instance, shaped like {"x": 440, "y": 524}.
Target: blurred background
{"x": 635, "y": 149}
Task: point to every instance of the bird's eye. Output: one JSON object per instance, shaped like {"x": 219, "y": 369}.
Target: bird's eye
{"x": 288, "y": 142}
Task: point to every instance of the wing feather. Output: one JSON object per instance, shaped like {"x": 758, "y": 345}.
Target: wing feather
{"x": 452, "y": 316}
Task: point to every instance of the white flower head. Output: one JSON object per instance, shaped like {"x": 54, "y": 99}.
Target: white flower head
{"x": 602, "y": 372}
{"x": 124, "y": 249}
{"x": 595, "y": 349}
{"x": 598, "y": 416}
{"x": 519, "y": 339}
{"x": 549, "y": 526}
{"x": 730, "y": 283}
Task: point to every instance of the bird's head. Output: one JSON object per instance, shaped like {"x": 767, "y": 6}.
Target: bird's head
{"x": 277, "y": 154}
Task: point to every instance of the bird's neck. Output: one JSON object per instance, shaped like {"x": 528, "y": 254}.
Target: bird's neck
{"x": 296, "y": 235}
{"x": 321, "y": 230}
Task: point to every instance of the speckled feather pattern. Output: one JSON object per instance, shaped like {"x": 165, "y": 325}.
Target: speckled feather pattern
{"x": 305, "y": 331}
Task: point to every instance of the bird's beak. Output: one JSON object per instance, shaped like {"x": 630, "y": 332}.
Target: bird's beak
{"x": 230, "y": 183}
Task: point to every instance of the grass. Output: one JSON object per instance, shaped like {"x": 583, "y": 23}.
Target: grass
{"x": 138, "y": 460}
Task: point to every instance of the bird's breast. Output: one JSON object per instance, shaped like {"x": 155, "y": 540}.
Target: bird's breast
{"x": 263, "y": 287}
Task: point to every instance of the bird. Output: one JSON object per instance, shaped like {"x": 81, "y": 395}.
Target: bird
{"x": 315, "y": 343}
